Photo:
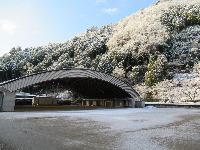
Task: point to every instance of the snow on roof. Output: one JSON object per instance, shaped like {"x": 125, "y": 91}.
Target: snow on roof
{"x": 25, "y": 94}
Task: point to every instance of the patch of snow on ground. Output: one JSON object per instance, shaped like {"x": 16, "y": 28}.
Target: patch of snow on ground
{"x": 130, "y": 118}
{"x": 185, "y": 76}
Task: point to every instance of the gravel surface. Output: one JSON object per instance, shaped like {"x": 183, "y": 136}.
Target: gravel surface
{"x": 102, "y": 129}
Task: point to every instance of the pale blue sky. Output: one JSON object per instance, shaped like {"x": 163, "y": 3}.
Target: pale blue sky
{"x": 29, "y": 23}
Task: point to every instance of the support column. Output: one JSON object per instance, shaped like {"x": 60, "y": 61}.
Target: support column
{"x": 94, "y": 103}
{"x": 8, "y": 100}
{"x": 1, "y": 100}
{"x": 87, "y": 103}
{"x": 82, "y": 103}
{"x": 140, "y": 104}
{"x": 131, "y": 102}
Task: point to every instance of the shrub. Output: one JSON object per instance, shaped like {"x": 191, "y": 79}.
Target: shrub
{"x": 157, "y": 70}
{"x": 137, "y": 74}
{"x": 149, "y": 97}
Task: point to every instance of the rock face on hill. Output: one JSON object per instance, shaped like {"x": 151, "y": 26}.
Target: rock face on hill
{"x": 150, "y": 47}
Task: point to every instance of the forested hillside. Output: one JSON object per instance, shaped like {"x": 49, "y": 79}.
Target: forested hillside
{"x": 83, "y": 51}
{"x": 152, "y": 46}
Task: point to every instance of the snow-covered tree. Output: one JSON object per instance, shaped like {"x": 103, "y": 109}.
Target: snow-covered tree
{"x": 157, "y": 70}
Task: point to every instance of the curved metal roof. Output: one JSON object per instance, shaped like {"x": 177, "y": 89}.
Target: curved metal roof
{"x": 30, "y": 80}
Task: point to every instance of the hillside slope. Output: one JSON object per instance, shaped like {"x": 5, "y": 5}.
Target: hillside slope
{"x": 150, "y": 47}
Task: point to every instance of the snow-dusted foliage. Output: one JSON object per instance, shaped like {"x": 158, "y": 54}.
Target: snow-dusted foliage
{"x": 169, "y": 28}
{"x": 182, "y": 88}
{"x": 107, "y": 63}
{"x": 186, "y": 44}
{"x": 197, "y": 67}
{"x": 180, "y": 16}
{"x": 141, "y": 31}
{"x": 11, "y": 63}
{"x": 157, "y": 70}
{"x": 119, "y": 72}
{"x": 83, "y": 51}
{"x": 169, "y": 31}
{"x": 137, "y": 74}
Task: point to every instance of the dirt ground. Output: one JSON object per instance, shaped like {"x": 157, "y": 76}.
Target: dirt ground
{"x": 101, "y": 129}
